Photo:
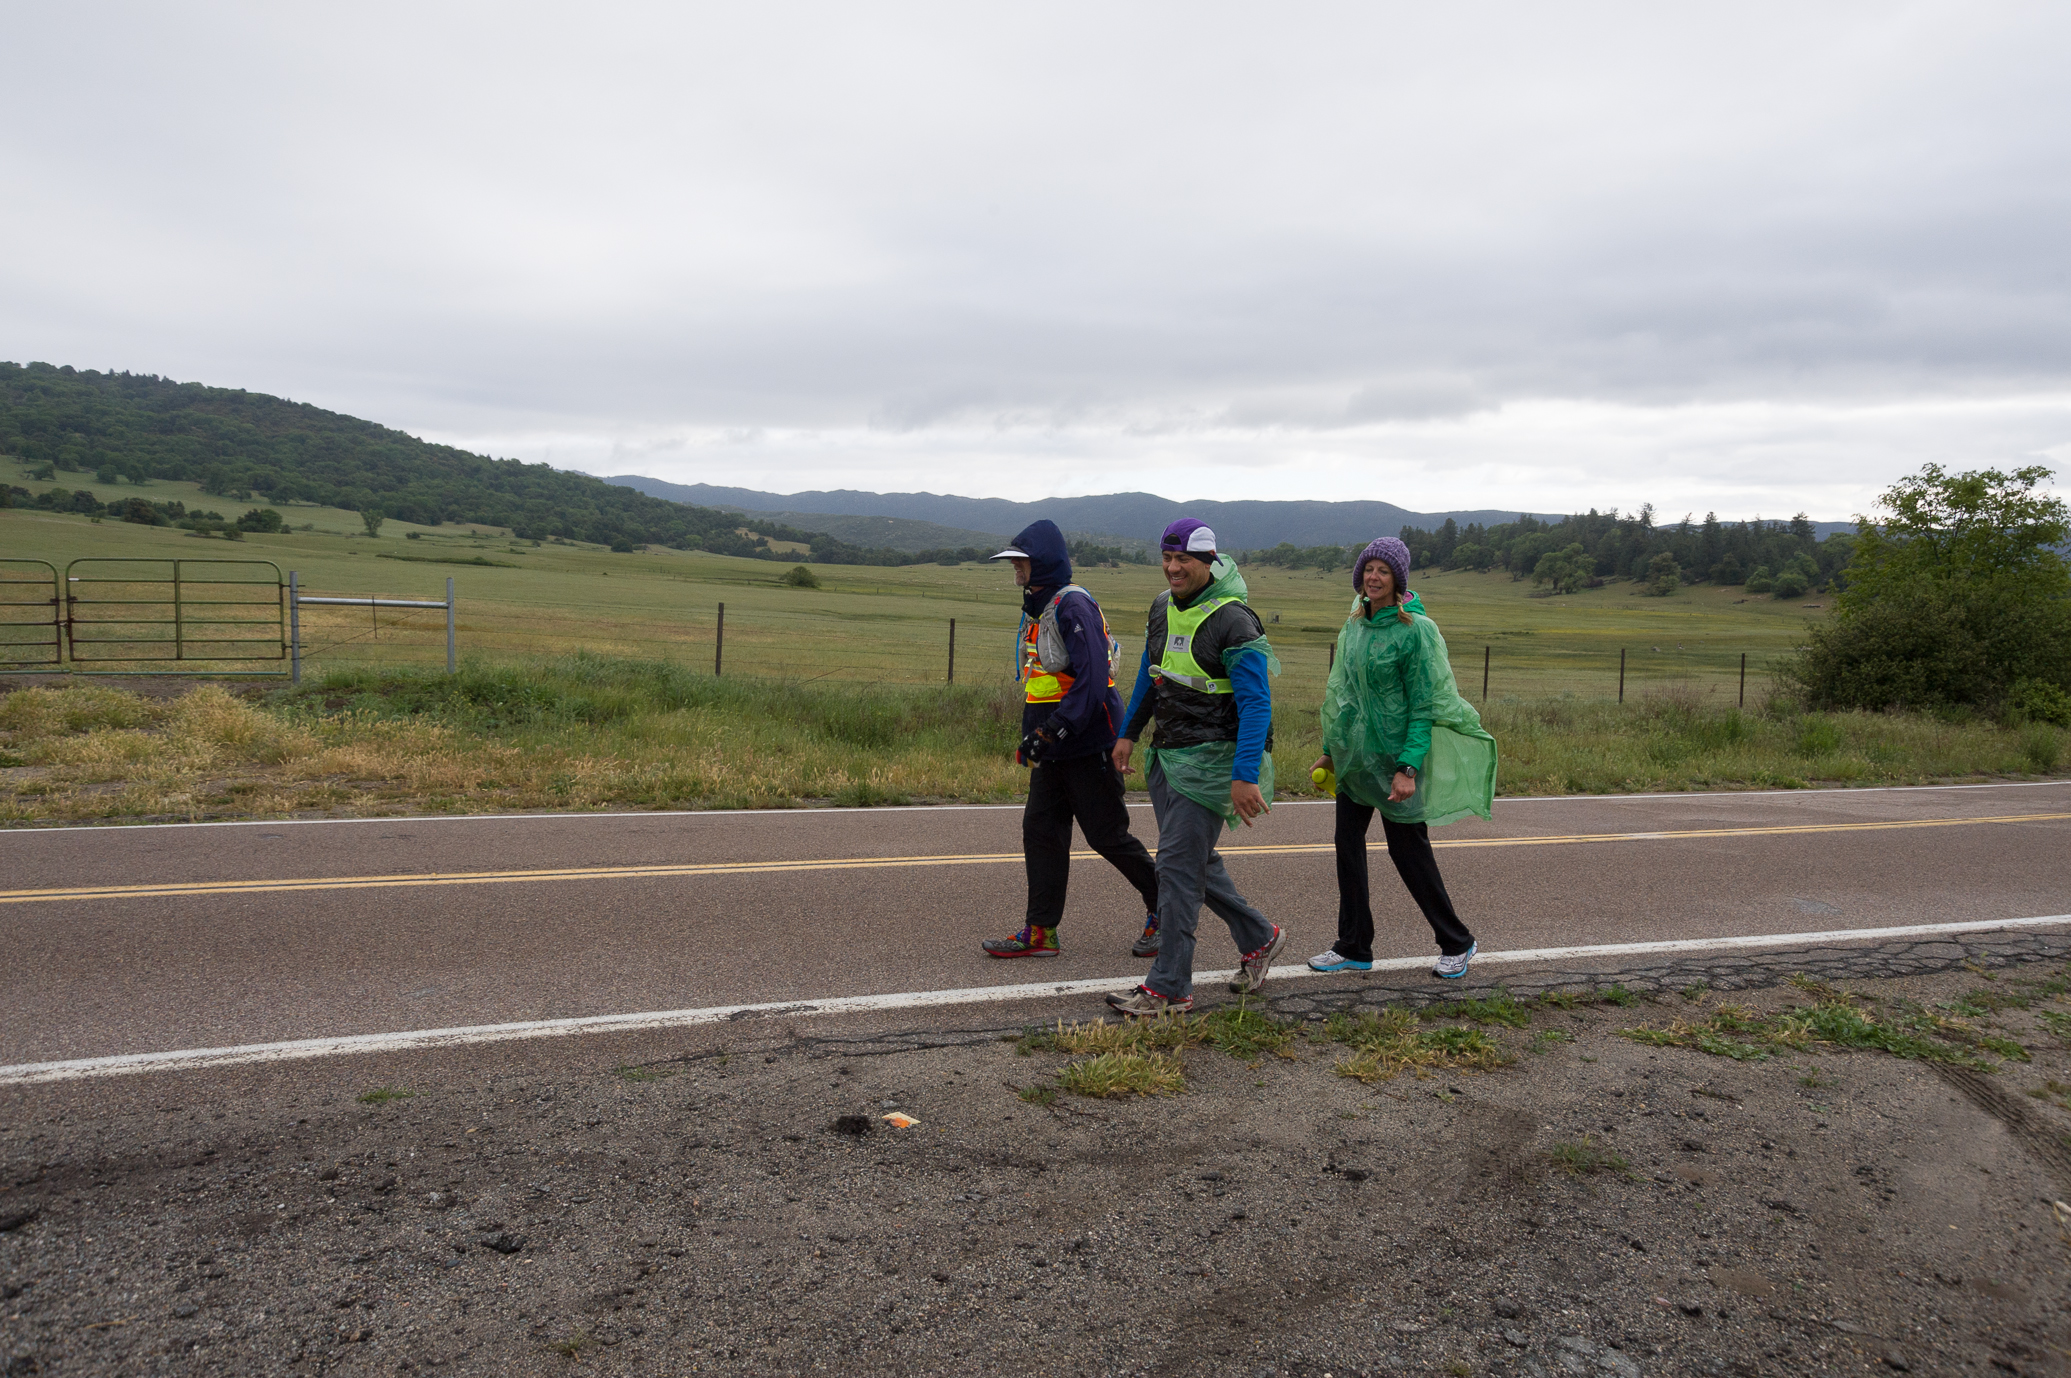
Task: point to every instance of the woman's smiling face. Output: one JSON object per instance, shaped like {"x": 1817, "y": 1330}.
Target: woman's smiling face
{"x": 1378, "y": 581}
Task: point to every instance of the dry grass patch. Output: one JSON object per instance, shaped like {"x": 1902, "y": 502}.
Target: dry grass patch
{"x": 1840, "y": 1020}
{"x": 1124, "y": 1074}
{"x": 1387, "y": 1044}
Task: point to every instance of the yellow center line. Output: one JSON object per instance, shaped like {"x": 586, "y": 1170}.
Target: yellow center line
{"x": 739, "y": 868}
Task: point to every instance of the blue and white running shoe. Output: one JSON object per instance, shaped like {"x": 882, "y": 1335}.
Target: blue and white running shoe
{"x": 1454, "y": 967}
{"x": 1331, "y": 960}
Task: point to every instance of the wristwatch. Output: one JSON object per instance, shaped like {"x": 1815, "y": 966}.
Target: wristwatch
{"x": 1410, "y": 771}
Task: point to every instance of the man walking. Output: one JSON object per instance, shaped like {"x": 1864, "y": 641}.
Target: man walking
{"x": 1068, "y": 727}
{"x": 1204, "y": 677}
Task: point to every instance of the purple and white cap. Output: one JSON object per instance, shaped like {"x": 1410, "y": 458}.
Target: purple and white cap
{"x": 1188, "y": 536}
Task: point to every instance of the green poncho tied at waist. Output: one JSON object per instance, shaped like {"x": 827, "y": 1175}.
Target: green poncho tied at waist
{"x": 1203, "y": 773}
{"x": 1392, "y": 702}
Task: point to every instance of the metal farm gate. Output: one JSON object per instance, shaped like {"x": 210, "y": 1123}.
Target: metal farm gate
{"x": 31, "y": 615}
{"x": 168, "y": 614}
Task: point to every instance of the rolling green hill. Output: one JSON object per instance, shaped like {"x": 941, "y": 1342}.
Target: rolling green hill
{"x": 249, "y": 448}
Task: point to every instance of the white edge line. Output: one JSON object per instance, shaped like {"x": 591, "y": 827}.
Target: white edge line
{"x": 1501, "y": 800}
{"x": 193, "y": 1059}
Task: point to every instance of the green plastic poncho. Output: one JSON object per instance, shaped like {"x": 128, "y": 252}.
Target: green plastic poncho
{"x": 1392, "y": 701}
{"x": 1203, "y": 773}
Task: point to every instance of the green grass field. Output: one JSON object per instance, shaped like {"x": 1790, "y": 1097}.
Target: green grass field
{"x": 891, "y": 625}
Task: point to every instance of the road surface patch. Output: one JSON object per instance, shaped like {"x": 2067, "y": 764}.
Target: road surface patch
{"x": 189, "y": 1059}
{"x": 179, "y": 889}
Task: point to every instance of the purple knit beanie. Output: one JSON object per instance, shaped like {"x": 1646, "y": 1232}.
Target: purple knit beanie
{"x": 1390, "y": 552}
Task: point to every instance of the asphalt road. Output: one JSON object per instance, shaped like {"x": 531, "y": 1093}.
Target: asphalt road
{"x": 125, "y": 940}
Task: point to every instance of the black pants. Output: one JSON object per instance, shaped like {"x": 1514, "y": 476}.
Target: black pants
{"x": 1086, "y": 788}
{"x": 1409, "y": 847}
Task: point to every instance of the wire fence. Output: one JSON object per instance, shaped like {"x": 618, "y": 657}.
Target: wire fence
{"x": 892, "y": 635}
{"x": 824, "y": 644}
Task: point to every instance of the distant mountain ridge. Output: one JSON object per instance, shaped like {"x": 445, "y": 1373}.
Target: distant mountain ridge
{"x": 1137, "y": 517}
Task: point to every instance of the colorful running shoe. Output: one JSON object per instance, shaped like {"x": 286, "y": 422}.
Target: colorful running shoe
{"x": 1032, "y": 941}
{"x": 1147, "y": 945}
{"x": 1330, "y": 959}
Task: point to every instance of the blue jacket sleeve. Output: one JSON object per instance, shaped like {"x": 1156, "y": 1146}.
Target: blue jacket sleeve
{"x": 1079, "y": 620}
{"x": 1254, "y": 714}
{"x": 1143, "y": 700}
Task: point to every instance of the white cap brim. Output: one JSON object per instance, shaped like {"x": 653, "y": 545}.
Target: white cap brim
{"x": 1009, "y": 554}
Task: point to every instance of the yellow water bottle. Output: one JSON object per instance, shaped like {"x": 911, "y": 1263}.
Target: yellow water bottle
{"x": 1328, "y": 779}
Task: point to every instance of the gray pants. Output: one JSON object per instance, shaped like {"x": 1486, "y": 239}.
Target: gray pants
{"x": 1190, "y": 872}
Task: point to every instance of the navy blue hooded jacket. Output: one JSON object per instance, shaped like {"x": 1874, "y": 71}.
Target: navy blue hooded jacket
{"x": 1090, "y": 712}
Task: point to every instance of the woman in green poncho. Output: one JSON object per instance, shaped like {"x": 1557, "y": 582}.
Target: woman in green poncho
{"x": 1402, "y": 741}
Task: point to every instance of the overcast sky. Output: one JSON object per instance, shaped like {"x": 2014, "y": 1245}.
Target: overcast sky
{"x": 1747, "y": 257}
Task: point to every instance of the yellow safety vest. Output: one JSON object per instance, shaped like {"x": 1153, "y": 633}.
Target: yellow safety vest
{"x": 1177, "y": 663}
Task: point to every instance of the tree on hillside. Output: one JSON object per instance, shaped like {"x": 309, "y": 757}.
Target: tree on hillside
{"x": 1946, "y": 529}
{"x": 371, "y": 518}
{"x": 1566, "y": 570}
{"x": 1959, "y": 596}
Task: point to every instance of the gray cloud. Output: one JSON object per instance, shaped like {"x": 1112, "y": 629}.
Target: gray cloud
{"x": 1304, "y": 248}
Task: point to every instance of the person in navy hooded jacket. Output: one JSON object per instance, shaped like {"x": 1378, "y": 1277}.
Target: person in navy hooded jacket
{"x": 1069, "y": 722}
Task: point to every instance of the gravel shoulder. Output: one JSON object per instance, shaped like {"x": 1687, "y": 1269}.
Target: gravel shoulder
{"x": 733, "y": 1200}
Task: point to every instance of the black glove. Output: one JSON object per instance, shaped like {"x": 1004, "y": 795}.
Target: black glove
{"x": 1040, "y": 742}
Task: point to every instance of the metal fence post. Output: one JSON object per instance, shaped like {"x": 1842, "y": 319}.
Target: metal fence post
{"x": 952, "y": 650}
{"x": 179, "y": 619}
{"x": 719, "y": 643}
{"x": 1485, "y": 674}
{"x": 294, "y": 630}
{"x": 1743, "y": 679}
{"x": 1621, "y": 674}
{"x": 449, "y": 625}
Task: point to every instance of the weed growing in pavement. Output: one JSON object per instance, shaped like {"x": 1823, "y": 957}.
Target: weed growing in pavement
{"x": 2056, "y": 1021}
{"x": 573, "y": 1343}
{"x": 1124, "y": 1074}
{"x": 1587, "y": 1159}
{"x": 1594, "y": 995}
{"x": 1147, "y": 1049}
{"x": 1500, "y": 1008}
{"x": 382, "y": 1095}
{"x": 1038, "y": 1095}
{"x": 1387, "y": 1044}
{"x": 1242, "y": 1030}
{"x": 1695, "y": 991}
{"x": 628, "y": 1072}
{"x": 1547, "y": 1039}
{"x": 1902, "y": 1029}
{"x": 1246, "y": 1033}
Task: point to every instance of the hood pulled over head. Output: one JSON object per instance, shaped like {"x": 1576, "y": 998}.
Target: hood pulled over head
{"x": 1049, "y": 561}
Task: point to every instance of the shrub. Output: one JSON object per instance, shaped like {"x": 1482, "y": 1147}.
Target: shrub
{"x": 799, "y": 577}
{"x": 1761, "y": 581}
{"x": 2037, "y": 700}
{"x": 1962, "y": 644}
{"x": 1790, "y": 584}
